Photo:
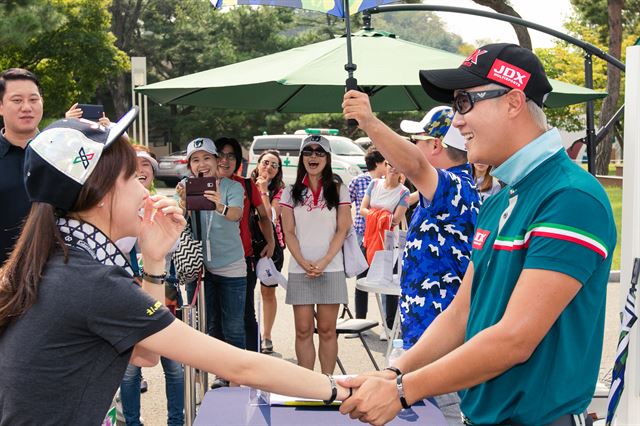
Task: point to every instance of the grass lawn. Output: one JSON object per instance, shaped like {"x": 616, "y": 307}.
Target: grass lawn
{"x": 615, "y": 196}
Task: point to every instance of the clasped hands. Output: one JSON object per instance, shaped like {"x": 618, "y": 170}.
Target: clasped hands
{"x": 375, "y": 397}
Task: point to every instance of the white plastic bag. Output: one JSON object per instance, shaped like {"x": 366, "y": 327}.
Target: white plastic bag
{"x": 354, "y": 261}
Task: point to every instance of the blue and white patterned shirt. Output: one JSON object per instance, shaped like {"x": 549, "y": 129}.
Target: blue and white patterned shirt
{"x": 437, "y": 252}
{"x": 357, "y": 190}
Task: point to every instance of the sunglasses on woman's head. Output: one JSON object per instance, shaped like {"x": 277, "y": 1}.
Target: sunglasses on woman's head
{"x": 463, "y": 102}
{"x": 319, "y": 152}
{"x": 274, "y": 164}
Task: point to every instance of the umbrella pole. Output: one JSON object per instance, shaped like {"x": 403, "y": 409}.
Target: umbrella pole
{"x": 351, "y": 82}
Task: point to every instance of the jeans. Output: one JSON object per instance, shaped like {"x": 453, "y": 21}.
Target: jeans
{"x": 250, "y": 323}
{"x": 174, "y": 388}
{"x": 225, "y": 299}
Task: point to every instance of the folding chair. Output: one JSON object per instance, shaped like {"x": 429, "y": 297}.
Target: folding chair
{"x": 351, "y": 325}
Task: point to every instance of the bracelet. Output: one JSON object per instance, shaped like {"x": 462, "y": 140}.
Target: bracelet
{"x": 224, "y": 210}
{"x": 400, "y": 388}
{"x": 334, "y": 390}
{"x": 154, "y": 279}
{"x": 394, "y": 369}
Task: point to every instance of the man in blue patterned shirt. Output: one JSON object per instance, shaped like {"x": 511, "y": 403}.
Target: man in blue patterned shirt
{"x": 357, "y": 189}
{"x": 440, "y": 233}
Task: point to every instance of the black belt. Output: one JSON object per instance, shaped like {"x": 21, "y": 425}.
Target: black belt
{"x": 567, "y": 420}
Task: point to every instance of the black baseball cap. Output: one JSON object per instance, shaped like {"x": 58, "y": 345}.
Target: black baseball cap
{"x": 506, "y": 64}
{"x": 60, "y": 159}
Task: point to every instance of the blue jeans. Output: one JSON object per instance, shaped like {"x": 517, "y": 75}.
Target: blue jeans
{"x": 225, "y": 302}
{"x": 174, "y": 388}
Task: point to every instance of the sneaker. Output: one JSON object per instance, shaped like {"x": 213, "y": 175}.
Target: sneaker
{"x": 143, "y": 386}
{"x": 383, "y": 336}
{"x": 220, "y": 383}
{"x": 267, "y": 346}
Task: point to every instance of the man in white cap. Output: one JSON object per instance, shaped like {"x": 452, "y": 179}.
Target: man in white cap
{"x": 440, "y": 233}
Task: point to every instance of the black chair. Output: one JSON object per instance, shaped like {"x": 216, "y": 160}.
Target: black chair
{"x": 347, "y": 324}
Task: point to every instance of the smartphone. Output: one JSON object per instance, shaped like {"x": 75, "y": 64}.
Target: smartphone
{"x": 91, "y": 112}
{"x": 195, "y": 188}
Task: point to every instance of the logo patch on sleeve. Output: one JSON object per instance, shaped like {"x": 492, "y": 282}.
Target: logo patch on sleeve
{"x": 479, "y": 239}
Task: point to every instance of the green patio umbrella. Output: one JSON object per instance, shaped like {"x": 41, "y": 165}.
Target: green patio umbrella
{"x": 311, "y": 79}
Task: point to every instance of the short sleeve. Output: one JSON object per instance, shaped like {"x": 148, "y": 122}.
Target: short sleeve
{"x": 256, "y": 199}
{"x": 285, "y": 198}
{"x": 353, "y": 190}
{"x": 278, "y": 195}
{"x": 344, "y": 195}
{"x": 404, "y": 198}
{"x": 445, "y": 181}
{"x": 121, "y": 312}
{"x": 562, "y": 239}
{"x": 370, "y": 188}
{"x": 235, "y": 194}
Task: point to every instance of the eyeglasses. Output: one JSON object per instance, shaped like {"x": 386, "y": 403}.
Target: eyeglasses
{"x": 416, "y": 138}
{"x": 463, "y": 101}
{"x": 388, "y": 164}
{"x": 227, "y": 155}
{"x": 319, "y": 152}
{"x": 274, "y": 164}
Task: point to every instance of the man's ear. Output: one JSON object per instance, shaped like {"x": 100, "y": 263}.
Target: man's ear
{"x": 517, "y": 102}
{"x": 437, "y": 146}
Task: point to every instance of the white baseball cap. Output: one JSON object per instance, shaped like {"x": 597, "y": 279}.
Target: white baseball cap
{"x": 201, "y": 144}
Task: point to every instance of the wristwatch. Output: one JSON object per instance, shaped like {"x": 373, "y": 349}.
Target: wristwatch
{"x": 400, "y": 388}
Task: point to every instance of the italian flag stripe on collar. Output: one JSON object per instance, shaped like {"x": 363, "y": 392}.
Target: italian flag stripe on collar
{"x": 552, "y": 230}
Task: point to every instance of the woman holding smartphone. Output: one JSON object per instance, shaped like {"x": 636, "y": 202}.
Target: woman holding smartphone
{"x": 225, "y": 278}
{"x": 316, "y": 214}
{"x": 72, "y": 317}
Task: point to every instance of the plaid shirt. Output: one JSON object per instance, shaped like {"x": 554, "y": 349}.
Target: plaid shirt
{"x": 357, "y": 190}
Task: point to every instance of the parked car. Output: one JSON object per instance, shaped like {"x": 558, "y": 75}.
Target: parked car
{"x": 173, "y": 167}
{"x": 347, "y": 158}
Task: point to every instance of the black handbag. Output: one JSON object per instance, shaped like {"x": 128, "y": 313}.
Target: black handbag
{"x": 258, "y": 241}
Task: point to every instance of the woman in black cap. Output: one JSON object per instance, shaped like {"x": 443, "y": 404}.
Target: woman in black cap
{"x": 71, "y": 315}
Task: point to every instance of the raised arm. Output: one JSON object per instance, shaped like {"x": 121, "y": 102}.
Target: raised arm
{"x": 405, "y": 156}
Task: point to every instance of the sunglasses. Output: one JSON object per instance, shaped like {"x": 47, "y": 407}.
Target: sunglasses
{"x": 274, "y": 164}
{"x": 227, "y": 155}
{"x": 415, "y": 138}
{"x": 388, "y": 164}
{"x": 463, "y": 101}
{"x": 319, "y": 152}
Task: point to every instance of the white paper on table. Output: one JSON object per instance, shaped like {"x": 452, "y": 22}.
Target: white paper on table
{"x": 381, "y": 269}
{"x": 284, "y": 400}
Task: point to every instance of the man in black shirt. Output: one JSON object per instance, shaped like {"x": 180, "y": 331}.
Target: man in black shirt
{"x": 21, "y": 111}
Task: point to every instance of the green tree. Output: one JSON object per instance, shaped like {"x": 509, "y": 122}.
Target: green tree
{"x": 72, "y": 57}
{"x": 609, "y": 19}
{"x": 424, "y": 28}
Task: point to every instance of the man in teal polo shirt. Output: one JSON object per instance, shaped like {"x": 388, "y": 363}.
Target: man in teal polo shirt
{"x": 522, "y": 340}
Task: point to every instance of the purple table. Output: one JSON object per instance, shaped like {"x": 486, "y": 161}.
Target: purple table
{"x": 230, "y": 406}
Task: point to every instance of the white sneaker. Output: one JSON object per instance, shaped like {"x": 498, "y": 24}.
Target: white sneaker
{"x": 383, "y": 336}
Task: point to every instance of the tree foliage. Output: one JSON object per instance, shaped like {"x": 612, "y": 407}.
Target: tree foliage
{"x": 72, "y": 54}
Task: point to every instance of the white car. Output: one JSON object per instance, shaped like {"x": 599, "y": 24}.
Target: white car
{"x": 347, "y": 158}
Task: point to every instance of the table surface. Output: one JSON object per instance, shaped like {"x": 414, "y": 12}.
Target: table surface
{"x": 230, "y": 406}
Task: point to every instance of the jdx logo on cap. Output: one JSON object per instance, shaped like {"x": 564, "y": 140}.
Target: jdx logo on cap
{"x": 198, "y": 143}
{"x": 509, "y": 75}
